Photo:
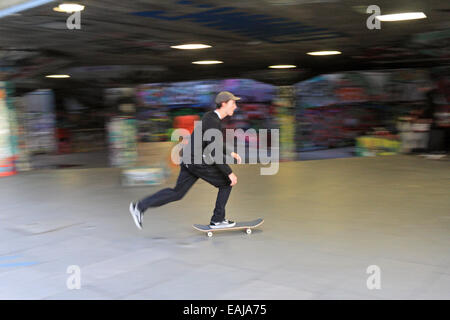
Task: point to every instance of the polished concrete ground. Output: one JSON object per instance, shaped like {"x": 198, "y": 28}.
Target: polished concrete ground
{"x": 326, "y": 222}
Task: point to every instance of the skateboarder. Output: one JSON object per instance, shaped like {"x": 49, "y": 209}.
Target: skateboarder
{"x": 219, "y": 175}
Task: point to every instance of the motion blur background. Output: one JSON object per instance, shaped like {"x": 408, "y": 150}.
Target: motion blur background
{"x": 382, "y": 95}
{"x": 105, "y": 87}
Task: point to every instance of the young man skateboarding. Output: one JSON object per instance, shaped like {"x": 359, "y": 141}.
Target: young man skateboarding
{"x": 217, "y": 174}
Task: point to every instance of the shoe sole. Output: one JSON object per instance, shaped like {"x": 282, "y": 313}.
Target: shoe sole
{"x": 223, "y": 227}
{"x": 134, "y": 217}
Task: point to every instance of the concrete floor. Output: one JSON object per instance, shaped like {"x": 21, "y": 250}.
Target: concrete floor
{"x": 326, "y": 222}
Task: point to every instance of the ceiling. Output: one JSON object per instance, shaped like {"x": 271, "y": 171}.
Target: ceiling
{"x": 128, "y": 42}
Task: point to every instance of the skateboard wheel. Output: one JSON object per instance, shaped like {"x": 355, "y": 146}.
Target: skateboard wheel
{"x": 209, "y": 234}
{"x": 248, "y": 231}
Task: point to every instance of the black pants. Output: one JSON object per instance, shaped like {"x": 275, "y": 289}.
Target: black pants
{"x": 186, "y": 179}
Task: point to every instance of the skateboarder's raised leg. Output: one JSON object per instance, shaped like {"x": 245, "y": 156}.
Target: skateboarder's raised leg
{"x": 184, "y": 182}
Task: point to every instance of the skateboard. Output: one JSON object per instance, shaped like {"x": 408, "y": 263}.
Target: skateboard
{"x": 247, "y": 225}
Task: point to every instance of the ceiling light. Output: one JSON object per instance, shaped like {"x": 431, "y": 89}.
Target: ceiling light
{"x": 69, "y": 7}
{"x": 192, "y": 46}
{"x": 283, "y": 66}
{"x": 207, "y": 62}
{"x": 402, "y": 16}
{"x": 323, "y": 53}
{"x": 57, "y": 76}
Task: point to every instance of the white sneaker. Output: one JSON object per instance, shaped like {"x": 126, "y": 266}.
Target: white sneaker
{"x": 224, "y": 224}
{"x": 136, "y": 214}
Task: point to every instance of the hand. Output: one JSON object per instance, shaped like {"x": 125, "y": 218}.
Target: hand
{"x": 233, "y": 179}
{"x": 237, "y": 157}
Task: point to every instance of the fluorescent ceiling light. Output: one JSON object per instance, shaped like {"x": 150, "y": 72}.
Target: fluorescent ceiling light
{"x": 57, "y": 76}
{"x": 323, "y": 53}
{"x": 402, "y": 16}
{"x": 192, "y": 46}
{"x": 283, "y": 66}
{"x": 69, "y": 7}
{"x": 207, "y": 62}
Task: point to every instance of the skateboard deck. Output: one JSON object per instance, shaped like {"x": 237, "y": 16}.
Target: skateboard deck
{"x": 247, "y": 225}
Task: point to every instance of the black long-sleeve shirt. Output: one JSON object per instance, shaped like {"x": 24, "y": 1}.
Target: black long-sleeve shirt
{"x": 210, "y": 120}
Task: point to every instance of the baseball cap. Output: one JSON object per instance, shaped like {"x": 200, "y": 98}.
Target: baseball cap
{"x": 225, "y": 96}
